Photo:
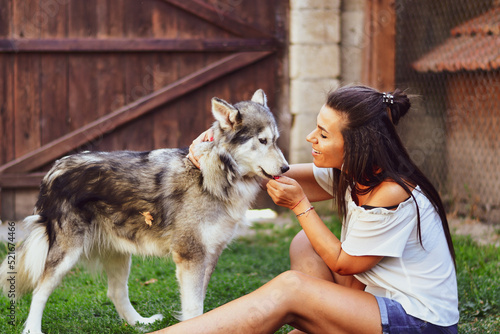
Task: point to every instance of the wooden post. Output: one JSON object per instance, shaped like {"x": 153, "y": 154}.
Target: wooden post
{"x": 379, "y": 56}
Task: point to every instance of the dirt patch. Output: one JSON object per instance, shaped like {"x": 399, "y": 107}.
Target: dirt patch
{"x": 483, "y": 234}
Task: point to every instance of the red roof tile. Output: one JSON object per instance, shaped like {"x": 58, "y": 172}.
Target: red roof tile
{"x": 487, "y": 23}
{"x": 474, "y": 45}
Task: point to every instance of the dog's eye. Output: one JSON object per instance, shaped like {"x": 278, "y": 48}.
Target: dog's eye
{"x": 263, "y": 141}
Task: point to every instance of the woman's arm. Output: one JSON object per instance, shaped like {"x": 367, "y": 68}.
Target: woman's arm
{"x": 329, "y": 247}
{"x": 287, "y": 192}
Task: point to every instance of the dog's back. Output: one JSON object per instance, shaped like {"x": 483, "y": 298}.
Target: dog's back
{"x": 109, "y": 197}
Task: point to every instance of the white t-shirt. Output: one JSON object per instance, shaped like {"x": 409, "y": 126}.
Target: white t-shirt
{"x": 421, "y": 279}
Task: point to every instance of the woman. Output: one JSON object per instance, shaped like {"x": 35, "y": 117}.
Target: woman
{"x": 392, "y": 270}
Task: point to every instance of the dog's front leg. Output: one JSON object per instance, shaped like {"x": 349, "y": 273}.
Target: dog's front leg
{"x": 210, "y": 263}
{"x": 190, "y": 275}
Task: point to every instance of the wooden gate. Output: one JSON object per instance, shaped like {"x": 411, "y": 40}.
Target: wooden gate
{"x": 125, "y": 74}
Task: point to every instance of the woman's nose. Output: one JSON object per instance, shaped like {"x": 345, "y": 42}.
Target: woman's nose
{"x": 310, "y": 138}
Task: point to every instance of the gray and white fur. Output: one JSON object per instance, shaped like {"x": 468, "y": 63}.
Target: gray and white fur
{"x": 94, "y": 206}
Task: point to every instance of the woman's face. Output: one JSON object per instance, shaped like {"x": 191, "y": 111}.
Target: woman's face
{"x": 327, "y": 141}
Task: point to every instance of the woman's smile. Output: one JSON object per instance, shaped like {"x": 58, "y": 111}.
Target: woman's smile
{"x": 315, "y": 152}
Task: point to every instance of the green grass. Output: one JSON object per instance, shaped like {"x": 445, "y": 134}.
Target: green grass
{"x": 80, "y": 305}
{"x": 478, "y": 277}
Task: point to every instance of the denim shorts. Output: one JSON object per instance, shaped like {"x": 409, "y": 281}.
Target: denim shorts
{"x": 396, "y": 321}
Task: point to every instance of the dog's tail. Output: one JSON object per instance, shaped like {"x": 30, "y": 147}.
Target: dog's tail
{"x": 23, "y": 267}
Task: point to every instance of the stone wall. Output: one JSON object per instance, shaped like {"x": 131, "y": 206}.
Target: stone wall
{"x": 324, "y": 34}
{"x": 353, "y": 41}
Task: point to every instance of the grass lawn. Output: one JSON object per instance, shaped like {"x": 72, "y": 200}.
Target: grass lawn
{"x": 80, "y": 305}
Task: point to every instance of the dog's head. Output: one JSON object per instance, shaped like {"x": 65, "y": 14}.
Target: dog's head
{"x": 247, "y": 131}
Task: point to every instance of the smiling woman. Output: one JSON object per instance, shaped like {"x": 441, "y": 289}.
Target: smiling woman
{"x": 391, "y": 270}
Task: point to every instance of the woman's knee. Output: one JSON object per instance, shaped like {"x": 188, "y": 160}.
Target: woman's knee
{"x": 292, "y": 279}
{"x": 286, "y": 286}
{"x": 300, "y": 244}
{"x": 304, "y": 258}
{"x": 281, "y": 291}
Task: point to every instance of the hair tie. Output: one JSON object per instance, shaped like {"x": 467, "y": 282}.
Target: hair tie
{"x": 388, "y": 98}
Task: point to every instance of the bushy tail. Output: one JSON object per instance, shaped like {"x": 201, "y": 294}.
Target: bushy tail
{"x": 23, "y": 269}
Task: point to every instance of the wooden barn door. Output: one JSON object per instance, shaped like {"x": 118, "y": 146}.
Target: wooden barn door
{"x": 125, "y": 74}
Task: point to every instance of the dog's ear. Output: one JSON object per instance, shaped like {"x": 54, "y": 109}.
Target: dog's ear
{"x": 227, "y": 115}
{"x": 260, "y": 97}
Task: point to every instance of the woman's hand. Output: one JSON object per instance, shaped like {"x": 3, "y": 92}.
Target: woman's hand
{"x": 205, "y": 136}
{"x": 285, "y": 192}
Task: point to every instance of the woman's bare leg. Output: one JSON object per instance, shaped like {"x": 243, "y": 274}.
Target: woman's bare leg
{"x": 305, "y": 302}
{"x": 326, "y": 307}
{"x": 299, "y": 297}
{"x": 304, "y": 258}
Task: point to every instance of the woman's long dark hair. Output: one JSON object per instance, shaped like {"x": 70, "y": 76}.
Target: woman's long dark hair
{"x": 373, "y": 151}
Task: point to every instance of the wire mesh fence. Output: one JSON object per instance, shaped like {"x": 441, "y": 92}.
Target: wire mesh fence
{"x": 448, "y": 54}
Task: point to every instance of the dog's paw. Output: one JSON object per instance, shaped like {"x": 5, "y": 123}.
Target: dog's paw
{"x": 154, "y": 318}
{"x": 150, "y": 320}
{"x": 29, "y": 331}
{"x": 143, "y": 323}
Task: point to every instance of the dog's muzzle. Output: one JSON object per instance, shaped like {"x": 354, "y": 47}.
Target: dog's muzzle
{"x": 283, "y": 169}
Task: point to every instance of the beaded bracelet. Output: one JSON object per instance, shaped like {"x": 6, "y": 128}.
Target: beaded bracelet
{"x": 303, "y": 213}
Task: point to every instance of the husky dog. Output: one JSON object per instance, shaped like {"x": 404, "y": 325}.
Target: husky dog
{"x": 102, "y": 207}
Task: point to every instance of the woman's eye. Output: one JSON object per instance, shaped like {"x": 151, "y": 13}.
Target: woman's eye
{"x": 323, "y": 136}
{"x": 263, "y": 141}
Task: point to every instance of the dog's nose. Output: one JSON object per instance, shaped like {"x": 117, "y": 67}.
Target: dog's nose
{"x": 285, "y": 169}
